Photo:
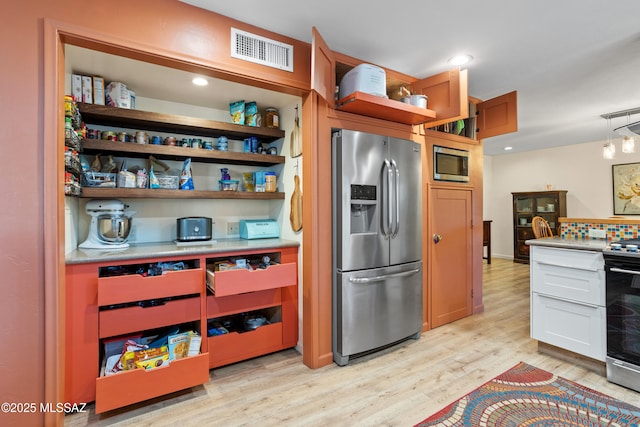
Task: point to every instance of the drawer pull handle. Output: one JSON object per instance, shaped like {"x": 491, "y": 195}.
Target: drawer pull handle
{"x": 153, "y": 302}
{"x": 573, "y": 267}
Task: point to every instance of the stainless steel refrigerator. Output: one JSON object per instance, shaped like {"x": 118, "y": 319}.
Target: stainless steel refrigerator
{"x": 377, "y": 242}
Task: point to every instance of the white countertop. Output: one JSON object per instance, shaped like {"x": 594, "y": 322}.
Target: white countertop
{"x": 164, "y": 249}
{"x": 559, "y": 242}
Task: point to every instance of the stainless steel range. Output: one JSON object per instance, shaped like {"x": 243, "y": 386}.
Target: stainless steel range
{"x": 622, "y": 266}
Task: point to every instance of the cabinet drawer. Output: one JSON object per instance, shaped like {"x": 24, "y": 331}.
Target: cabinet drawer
{"x": 233, "y": 347}
{"x": 525, "y": 233}
{"x": 121, "y": 321}
{"x": 587, "y": 286}
{"x": 131, "y": 288}
{"x": 575, "y": 327}
{"x": 217, "y": 306}
{"x": 137, "y": 385}
{"x": 234, "y": 282}
{"x": 585, "y": 260}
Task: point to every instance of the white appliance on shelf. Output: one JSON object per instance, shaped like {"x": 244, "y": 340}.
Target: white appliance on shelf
{"x": 110, "y": 224}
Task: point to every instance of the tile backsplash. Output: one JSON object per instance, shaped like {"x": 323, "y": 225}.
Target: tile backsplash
{"x": 580, "y": 230}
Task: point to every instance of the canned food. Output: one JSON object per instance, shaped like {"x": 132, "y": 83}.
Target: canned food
{"x": 196, "y": 143}
{"x": 93, "y": 134}
{"x": 254, "y": 144}
{"x": 207, "y": 145}
{"x": 108, "y": 135}
{"x": 123, "y": 137}
{"x": 273, "y": 150}
{"x": 170, "y": 140}
{"x": 156, "y": 140}
{"x": 186, "y": 142}
{"x": 223, "y": 143}
{"x": 142, "y": 138}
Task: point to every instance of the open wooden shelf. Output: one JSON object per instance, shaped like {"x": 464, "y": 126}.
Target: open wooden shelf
{"x": 383, "y": 108}
{"x": 158, "y": 193}
{"x": 161, "y": 122}
{"x": 167, "y": 152}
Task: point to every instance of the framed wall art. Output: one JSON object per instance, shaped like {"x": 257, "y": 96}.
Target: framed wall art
{"x": 626, "y": 189}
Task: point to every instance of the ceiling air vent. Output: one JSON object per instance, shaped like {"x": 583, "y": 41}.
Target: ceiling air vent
{"x": 261, "y": 50}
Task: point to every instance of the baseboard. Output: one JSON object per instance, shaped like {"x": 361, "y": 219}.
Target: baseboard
{"x": 577, "y": 359}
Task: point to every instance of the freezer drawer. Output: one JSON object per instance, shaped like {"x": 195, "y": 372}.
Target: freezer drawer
{"x": 375, "y": 307}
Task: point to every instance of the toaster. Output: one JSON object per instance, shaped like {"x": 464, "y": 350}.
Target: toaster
{"x": 193, "y": 228}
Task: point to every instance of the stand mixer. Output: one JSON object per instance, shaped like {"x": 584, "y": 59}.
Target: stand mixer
{"x": 110, "y": 225}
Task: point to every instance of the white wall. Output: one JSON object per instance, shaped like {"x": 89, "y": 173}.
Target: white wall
{"x": 579, "y": 169}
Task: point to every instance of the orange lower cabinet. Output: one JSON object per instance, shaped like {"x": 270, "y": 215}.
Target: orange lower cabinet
{"x": 128, "y": 387}
{"x": 234, "y": 347}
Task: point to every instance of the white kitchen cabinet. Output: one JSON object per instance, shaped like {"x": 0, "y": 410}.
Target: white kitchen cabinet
{"x": 568, "y": 308}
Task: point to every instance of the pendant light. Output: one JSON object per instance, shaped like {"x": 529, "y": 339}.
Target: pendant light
{"x": 628, "y": 143}
{"x": 609, "y": 149}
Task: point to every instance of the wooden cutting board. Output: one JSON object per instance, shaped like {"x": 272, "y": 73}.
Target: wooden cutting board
{"x": 295, "y": 145}
{"x": 295, "y": 217}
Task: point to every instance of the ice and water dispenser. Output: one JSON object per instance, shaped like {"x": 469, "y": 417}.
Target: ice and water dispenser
{"x": 363, "y": 208}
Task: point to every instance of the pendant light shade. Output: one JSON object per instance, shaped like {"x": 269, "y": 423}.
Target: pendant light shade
{"x": 609, "y": 151}
{"x": 628, "y": 145}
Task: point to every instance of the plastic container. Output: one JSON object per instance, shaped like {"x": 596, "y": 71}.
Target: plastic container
{"x": 270, "y": 182}
{"x": 99, "y": 179}
{"x": 228, "y": 184}
{"x": 168, "y": 182}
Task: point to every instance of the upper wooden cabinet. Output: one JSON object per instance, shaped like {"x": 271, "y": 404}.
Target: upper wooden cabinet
{"x": 447, "y": 95}
{"x": 447, "y": 92}
{"x": 497, "y": 116}
{"x": 323, "y": 65}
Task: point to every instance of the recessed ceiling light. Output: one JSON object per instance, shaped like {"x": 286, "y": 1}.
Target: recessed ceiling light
{"x": 508, "y": 148}
{"x": 199, "y": 81}
{"x": 460, "y": 59}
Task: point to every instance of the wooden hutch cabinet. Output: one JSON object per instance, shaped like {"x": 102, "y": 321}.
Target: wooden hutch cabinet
{"x": 550, "y": 205}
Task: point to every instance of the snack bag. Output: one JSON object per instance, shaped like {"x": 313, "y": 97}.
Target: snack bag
{"x": 237, "y": 112}
{"x": 186, "y": 181}
{"x": 251, "y": 114}
{"x": 153, "y": 180}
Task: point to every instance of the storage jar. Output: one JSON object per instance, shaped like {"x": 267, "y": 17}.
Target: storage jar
{"x": 272, "y": 118}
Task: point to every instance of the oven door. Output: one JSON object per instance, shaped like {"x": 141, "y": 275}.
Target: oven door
{"x": 623, "y": 320}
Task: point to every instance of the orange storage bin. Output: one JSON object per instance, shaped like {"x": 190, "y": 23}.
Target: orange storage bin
{"x": 129, "y": 288}
{"x": 220, "y": 306}
{"x": 233, "y": 347}
{"x": 234, "y": 282}
{"x": 121, "y": 321}
{"x": 134, "y": 386}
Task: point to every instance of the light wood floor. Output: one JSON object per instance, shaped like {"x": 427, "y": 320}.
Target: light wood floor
{"x": 398, "y": 387}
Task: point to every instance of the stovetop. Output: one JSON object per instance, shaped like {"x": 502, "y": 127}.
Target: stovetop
{"x": 611, "y": 249}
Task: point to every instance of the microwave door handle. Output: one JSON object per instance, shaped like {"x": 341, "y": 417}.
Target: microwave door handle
{"x": 396, "y": 202}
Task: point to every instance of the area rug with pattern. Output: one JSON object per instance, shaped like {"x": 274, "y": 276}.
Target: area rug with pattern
{"x": 532, "y": 397}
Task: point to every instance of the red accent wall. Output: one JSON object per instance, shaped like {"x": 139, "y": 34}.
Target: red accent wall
{"x": 32, "y": 216}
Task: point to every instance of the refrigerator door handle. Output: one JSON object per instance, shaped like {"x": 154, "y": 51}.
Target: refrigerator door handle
{"x": 396, "y": 202}
{"x": 386, "y": 175}
{"x": 383, "y": 277}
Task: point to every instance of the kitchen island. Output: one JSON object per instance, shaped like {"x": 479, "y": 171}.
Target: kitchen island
{"x": 115, "y": 295}
{"x": 568, "y": 307}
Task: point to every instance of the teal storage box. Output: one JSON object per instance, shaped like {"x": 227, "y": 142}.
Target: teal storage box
{"x": 259, "y": 229}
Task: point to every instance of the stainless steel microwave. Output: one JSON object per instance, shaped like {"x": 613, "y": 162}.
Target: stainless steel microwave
{"x": 450, "y": 164}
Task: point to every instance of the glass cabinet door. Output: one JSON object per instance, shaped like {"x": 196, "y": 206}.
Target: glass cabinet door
{"x": 524, "y": 210}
